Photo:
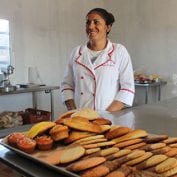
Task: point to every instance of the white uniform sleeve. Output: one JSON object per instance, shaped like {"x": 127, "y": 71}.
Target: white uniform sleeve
{"x": 127, "y": 87}
{"x": 67, "y": 84}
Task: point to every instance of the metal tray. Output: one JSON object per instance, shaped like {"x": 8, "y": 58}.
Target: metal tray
{"x": 61, "y": 170}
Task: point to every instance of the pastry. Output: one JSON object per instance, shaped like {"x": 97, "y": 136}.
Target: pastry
{"x": 136, "y": 146}
{"x": 155, "y": 138}
{"x": 44, "y": 142}
{"x": 83, "y": 124}
{"x": 26, "y": 144}
{"x": 59, "y": 132}
{"x": 14, "y": 137}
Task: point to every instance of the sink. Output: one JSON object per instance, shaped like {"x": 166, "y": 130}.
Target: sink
{"x": 8, "y": 88}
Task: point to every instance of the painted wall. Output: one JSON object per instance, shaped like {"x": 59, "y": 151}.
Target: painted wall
{"x": 45, "y": 31}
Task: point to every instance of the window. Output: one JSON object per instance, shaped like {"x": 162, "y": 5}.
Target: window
{"x": 4, "y": 44}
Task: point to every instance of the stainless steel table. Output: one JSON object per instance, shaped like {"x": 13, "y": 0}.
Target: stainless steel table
{"x": 34, "y": 89}
{"x": 147, "y": 86}
{"x": 158, "y": 118}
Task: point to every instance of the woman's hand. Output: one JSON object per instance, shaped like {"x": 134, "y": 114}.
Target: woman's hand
{"x": 70, "y": 104}
{"x": 115, "y": 106}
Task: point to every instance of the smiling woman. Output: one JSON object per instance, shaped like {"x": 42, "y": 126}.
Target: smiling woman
{"x": 99, "y": 74}
{"x": 4, "y": 44}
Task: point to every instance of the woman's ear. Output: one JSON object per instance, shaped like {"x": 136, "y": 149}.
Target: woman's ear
{"x": 108, "y": 28}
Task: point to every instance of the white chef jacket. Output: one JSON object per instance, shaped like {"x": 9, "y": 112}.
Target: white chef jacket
{"x": 96, "y": 85}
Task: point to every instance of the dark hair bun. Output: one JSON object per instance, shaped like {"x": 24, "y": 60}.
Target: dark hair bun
{"x": 108, "y": 17}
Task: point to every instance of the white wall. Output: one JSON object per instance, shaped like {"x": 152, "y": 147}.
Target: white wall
{"x": 45, "y": 31}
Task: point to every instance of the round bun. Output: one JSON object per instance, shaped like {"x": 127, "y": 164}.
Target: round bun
{"x": 44, "y": 142}
{"x": 88, "y": 113}
{"x": 59, "y": 132}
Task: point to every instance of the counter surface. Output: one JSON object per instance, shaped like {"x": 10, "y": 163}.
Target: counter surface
{"x": 159, "y": 118}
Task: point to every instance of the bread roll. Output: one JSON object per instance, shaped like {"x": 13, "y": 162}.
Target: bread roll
{"x": 87, "y": 113}
{"x": 83, "y": 124}
{"x": 59, "y": 132}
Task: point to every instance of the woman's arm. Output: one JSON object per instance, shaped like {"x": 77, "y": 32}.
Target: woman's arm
{"x": 115, "y": 106}
{"x": 70, "y": 104}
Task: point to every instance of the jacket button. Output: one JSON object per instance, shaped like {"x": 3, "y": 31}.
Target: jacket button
{"x": 93, "y": 94}
{"x": 82, "y": 77}
{"x": 82, "y": 93}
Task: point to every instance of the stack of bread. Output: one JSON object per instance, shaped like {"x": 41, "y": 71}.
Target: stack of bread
{"x": 90, "y": 146}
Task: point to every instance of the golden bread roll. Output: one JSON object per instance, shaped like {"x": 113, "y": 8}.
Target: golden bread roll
{"x": 166, "y": 165}
{"x": 39, "y": 128}
{"x": 63, "y": 116}
{"x": 87, "y": 113}
{"x": 71, "y": 154}
{"x": 85, "y": 164}
{"x": 116, "y": 132}
{"x": 138, "y": 133}
{"x": 102, "y": 121}
{"x": 76, "y": 135}
{"x": 83, "y": 124}
{"x": 59, "y": 132}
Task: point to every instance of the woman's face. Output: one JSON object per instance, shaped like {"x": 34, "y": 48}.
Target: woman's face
{"x": 96, "y": 27}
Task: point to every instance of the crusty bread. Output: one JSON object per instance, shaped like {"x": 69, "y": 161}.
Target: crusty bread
{"x": 82, "y": 124}
{"x": 86, "y": 139}
{"x": 59, "y": 132}
{"x": 136, "y": 146}
{"x": 116, "y": 132}
{"x": 63, "y": 116}
{"x": 87, "y": 113}
{"x": 138, "y": 133}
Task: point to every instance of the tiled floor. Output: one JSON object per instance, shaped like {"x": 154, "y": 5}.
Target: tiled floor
{"x": 6, "y": 171}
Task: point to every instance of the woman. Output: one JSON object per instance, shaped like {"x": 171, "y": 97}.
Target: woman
{"x": 99, "y": 74}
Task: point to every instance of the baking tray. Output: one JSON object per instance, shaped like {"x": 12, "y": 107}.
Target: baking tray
{"x": 58, "y": 169}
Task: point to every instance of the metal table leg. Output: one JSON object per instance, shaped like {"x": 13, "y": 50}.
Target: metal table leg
{"x": 146, "y": 95}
